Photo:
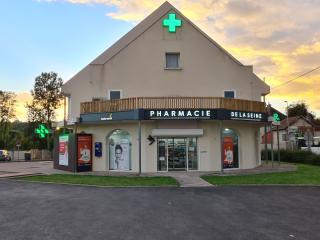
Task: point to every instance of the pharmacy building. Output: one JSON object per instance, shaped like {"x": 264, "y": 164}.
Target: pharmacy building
{"x": 164, "y": 97}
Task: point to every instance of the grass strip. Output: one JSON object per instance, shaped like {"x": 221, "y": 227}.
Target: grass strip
{"x": 117, "y": 181}
{"x": 305, "y": 175}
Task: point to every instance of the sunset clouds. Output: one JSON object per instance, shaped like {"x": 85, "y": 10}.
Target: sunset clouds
{"x": 21, "y": 111}
{"x": 281, "y": 38}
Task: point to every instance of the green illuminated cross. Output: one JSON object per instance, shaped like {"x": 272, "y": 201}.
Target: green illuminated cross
{"x": 172, "y": 23}
{"x": 42, "y": 130}
{"x": 276, "y": 117}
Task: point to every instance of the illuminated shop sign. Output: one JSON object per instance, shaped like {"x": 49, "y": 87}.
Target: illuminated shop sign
{"x": 246, "y": 116}
{"x": 174, "y": 114}
{"x": 172, "y": 23}
{"x": 180, "y": 114}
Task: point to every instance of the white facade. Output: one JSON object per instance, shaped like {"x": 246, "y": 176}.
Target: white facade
{"x": 136, "y": 67}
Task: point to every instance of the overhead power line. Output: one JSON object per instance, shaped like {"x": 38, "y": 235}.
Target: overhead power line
{"x": 293, "y": 79}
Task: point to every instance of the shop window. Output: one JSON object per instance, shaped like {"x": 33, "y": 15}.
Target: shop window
{"x": 120, "y": 150}
{"x": 230, "y": 149}
{"x": 115, "y": 94}
{"x": 172, "y": 60}
{"x": 229, "y": 94}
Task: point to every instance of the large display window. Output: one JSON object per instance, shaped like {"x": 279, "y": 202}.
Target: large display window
{"x": 120, "y": 143}
{"x": 230, "y": 149}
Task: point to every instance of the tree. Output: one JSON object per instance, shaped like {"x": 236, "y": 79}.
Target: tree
{"x": 47, "y": 97}
{"x": 300, "y": 109}
{"x": 7, "y": 113}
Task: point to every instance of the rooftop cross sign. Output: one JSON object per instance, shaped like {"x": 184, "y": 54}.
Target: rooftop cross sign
{"x": 172, "y": 23}
{"x": 42, "y": 131}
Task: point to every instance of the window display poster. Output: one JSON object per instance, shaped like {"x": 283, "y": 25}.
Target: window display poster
{"x": 120, "y": 155}
{"x": 228, "y": 156}
{"x": 84, "y": 152}
{"x": 63, "y": 150}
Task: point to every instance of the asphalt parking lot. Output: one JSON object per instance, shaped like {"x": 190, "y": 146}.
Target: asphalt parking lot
{"x": 50, "y": 211}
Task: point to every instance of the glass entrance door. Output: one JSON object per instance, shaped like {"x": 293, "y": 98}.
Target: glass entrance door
{"x": 177, "y": 156}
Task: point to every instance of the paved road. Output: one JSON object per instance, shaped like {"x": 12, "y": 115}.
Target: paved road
{"x": 48, "y": 211}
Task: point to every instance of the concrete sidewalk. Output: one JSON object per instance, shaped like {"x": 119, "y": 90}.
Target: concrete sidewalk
{"x": 14, "y": 169}
{"x": 185, "y": 179}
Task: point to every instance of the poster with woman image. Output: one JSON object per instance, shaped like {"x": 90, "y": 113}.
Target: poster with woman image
{"x": 120, "y": 155}
{"x": 84, "y": 152}
{"x": 228, "y": 158}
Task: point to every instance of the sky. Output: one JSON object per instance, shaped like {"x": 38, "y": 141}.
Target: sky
{"x": 280, "y": 38}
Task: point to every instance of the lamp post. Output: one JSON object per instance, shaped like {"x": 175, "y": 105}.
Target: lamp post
{"x": 287, "y": 122}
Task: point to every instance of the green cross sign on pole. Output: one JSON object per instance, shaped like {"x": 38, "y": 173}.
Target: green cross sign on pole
{"x": 276, "y": 117}
{"x": 42, "y": 131}
{"x": 172, "y": 23}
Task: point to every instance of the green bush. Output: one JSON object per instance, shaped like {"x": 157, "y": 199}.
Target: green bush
{"x": 296, "y": 156}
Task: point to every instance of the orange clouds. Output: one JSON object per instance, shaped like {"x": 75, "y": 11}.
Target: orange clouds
{"x": 21, "y": 111}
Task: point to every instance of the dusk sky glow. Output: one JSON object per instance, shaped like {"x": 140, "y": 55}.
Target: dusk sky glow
{"x": 280, "y": 38}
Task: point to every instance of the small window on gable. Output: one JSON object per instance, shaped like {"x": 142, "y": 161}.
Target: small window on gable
{"x": 172, "y": 60}
{"x": 114, "y": 94}
{"x": 229, "y": 94}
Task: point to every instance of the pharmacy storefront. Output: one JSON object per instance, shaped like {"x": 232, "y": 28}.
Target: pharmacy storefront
{"x": 160, "y": 140}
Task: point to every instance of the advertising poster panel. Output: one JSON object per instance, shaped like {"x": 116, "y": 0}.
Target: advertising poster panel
{"x": 63, "y": 150}
{"x": 120, "y": 155}
{"x": 228, "y": 150}
{"x": 84, "y": 152}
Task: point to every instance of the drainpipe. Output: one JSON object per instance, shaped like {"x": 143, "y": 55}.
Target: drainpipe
{"x": 64, "y": 112}
{"x": 221, "y": 144}
{"x": 139, "y": 147}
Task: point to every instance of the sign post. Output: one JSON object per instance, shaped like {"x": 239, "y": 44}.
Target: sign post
{"x": 270, "y": 120}
{"x": 278, "y": 144}
{"x": 276, "y": 121}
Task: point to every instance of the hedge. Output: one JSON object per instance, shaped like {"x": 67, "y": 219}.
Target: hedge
{"x": 296, "y": 156}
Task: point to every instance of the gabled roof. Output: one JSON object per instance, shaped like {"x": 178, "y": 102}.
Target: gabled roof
{"x": 292, "y": 120}
{"x": 144, "y": 26}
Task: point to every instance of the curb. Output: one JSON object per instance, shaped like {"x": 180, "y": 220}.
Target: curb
{"x": 97, "y": 186}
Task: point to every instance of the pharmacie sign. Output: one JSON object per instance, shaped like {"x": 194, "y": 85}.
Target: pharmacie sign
{"x": 174, "y": 114}
{"x": 179, "y": 114}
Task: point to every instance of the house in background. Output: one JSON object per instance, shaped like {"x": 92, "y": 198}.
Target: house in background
{"x": 298, "y": 127}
